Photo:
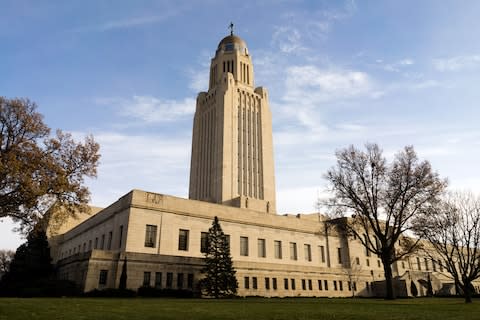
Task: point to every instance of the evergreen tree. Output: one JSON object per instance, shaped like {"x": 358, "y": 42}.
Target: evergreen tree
{"x": 123, "y": 277}
{"x": 220, "y": 280}
{"x": 31, "y": 266}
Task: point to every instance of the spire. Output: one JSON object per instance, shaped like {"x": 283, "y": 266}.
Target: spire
{"x": 231, "y": 28}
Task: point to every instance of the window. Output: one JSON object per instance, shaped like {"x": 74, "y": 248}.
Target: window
{"x": 426, "y": 264}
{"x": 227, "y": 240}
{"x": 262, "y": 252}
{"x": 96, "y": 243}
{"x": 84, "y": 246}
{"x": 183, "y": 240}
{"x": 378, "y": 263}
{"x": 278, "y": 249}
{"x": 120, "y": 237}
{"x": 368, "y": 262}
{"x": 246, "y": 283}
{"x": 339, "y": 253}
{"x": 434, "y": 266}
{"x": 440, "y": 265}
{"x": 367, "y": 285}
{"x": 320, "y": 285}
{"x": 335, "y": 285}
{"x": 377, "y": 244}
{"x": 274, "y": 283}
{"x": 304, "y": 284}
{"x": 354, "y": 286}
{"x": 190, "y": 281}
{"x": 244, "y": 246}
{"x": 102, "y": 279}
{"x": 322, "y": 253}
{"x": 307, "y": 252}
{"x": 285, "y": 284}
{"x": 267, "y": 283}
{"x": 109, "y": 242}
{"x": 169, "y": 280}
{"x": 146, "y": 279}
{"x": 203, "y": 242}
{"x": 349, "y": 286}
{"x": 158, "y": 280}
{"x": 403, "y": 264}
{"x": 357, "y": 261}
{"x": 367, "y": 252}
{"x": 89, "y": 245}
{"x": 102, "y": 243}
{"x": 292, "y": 281}
{"x": 340, "y": 285}
{"x": 150, "y": 236}
{"x": 254, "y": 282}
{"x": 419, "y": 266}
{"x": 180, "y": 281}
{"x": 325, "y": 284}
{"x": 310, "y": 285}
{"x": 293, "y": 251}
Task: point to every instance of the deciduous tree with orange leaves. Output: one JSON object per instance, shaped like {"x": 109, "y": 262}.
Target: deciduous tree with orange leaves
{"x": 41, "y": 173}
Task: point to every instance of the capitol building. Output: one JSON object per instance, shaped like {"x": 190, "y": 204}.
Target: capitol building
{"x": 163, "y": 238}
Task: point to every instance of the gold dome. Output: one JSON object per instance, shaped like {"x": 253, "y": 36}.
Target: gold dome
{"x": 232, "y": 43}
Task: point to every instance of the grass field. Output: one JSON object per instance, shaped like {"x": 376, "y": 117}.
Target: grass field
{"x": 257, "y": 309}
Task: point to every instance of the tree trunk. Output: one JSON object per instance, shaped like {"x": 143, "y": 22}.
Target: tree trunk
{"x": 467, "y": 292}
{"x": 387, "y": 268}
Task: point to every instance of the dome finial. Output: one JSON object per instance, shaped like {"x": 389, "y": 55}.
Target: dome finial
{"x": 231, "y": 28}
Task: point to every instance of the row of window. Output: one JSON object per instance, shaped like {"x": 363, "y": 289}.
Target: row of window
{"x": 290, "y": 284}
{"x": 183, "y": 281}
{"x": 98, "y": 243}
{"x": 427, "y": 265}
{"x": 184, "y": 235}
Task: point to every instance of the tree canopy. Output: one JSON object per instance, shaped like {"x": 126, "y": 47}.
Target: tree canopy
{"x": 40, "y": 173}
{"x": 220, "y": 280}
{"x": 382, "y": 199}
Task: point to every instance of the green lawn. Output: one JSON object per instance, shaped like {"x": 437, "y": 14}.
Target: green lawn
{"x": 257, "y": 309}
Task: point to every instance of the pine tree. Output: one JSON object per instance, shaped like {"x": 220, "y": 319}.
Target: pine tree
{"x": 31, "y": 266}
{"x": 220, "y": 280}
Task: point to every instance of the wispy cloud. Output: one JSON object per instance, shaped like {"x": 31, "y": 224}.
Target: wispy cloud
{"x": 288, "y": 39}
{"x": 457, "y": 63}
{"x": 150, "y": 109}
{"x": 311, "y": 84}
{"x": 155, "y": 162}
{"x": 128, "y": 22}
{"x": 396, "y": 66}
{"x": 299, "y": 29}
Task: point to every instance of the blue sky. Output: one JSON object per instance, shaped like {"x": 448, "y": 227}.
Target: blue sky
{"x": 338, "y": 72}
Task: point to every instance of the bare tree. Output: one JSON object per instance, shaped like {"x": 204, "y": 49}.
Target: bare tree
{"x": 382, "y": 199}
{"x": 453, "y": 230}
{"x": 6, "y": 257}
{"x": 353, "y": 275}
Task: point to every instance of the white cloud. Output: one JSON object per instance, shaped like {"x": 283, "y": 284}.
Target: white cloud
{"x": 158, "y": 163}
{"x": 312, "y": 85}
{"x": 426, "y": 84}
{"x": 457, "y": 63}
{"x": 396, "y": 66}
{"x": 288, "y": 39}
{"x": 149, "y": 109}
{"x": 130, "y": 22}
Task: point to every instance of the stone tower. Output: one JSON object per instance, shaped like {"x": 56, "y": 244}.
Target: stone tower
{"x": 232, "y": 149}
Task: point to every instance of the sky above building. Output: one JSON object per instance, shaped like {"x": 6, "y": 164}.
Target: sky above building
{"x": 338, "y": 73}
